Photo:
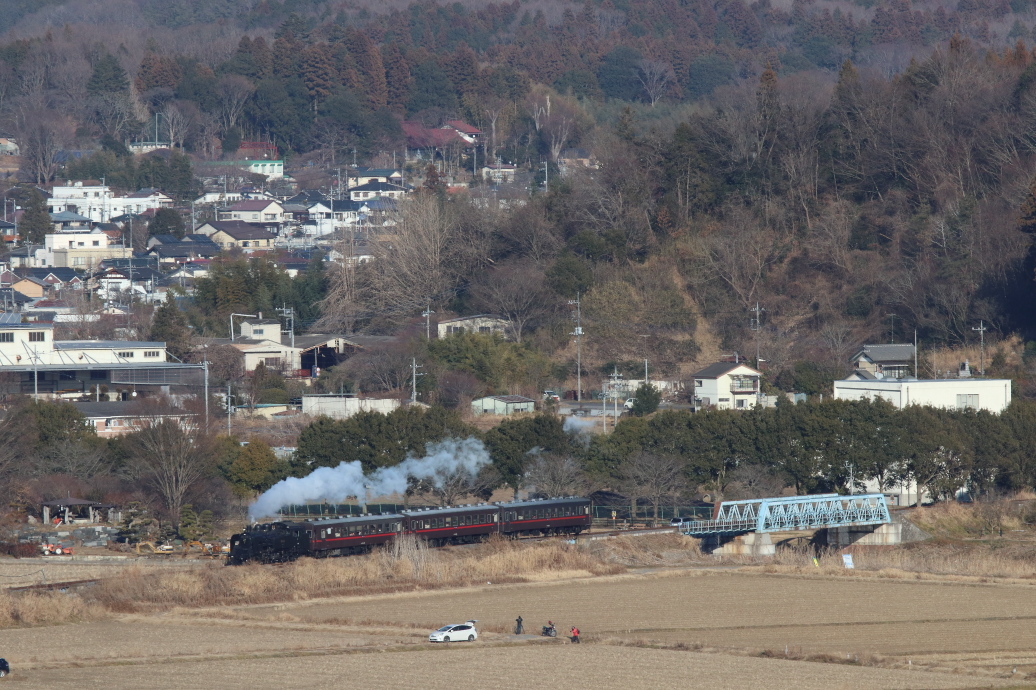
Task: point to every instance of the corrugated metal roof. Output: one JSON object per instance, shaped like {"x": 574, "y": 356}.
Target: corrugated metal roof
{"x": 898, "y": 352}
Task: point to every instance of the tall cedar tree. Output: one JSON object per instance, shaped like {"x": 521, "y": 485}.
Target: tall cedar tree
{"x": 318, "y": 72}
{"x": 170, "y": 326}
{"x": 397, "y": 77}
{"x": 108, "y": 76}
{"x": 35, "y": 222}
{"x": 157, "y": 72}
{"x": 370, "y": 67}
{"x": 166, "y": 221}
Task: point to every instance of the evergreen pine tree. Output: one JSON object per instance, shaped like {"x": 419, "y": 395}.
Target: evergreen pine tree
{"x": 108, "y": 76}
{"x": 35, "y": 222}
{"x": 170, "y": 326}
{"x": 166, "y": 221}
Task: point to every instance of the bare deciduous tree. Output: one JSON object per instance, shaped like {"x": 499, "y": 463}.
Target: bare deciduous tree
{"x": 234, "y": 92}
{"x": 415, "y": 265}
{"x": 180, "y": 118}
{"x": 170, "y": 459}
{"x": 113, "y": 113}
{"x": 515, "y": 291}
{"x": 555, "y": 476}
{"x": 42, "y": 133}
{"x": 656, "y": 77}
{"x": 654, "y": 477}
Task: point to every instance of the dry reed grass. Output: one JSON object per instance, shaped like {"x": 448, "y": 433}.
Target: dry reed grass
{"x": 45, "y": 608}
{"x": 408, "y": 565}
{"x": 645, "y": 551}
{"x": 938, "y": 560}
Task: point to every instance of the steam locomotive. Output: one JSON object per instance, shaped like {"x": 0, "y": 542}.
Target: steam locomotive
{"x": 276, "y": 542}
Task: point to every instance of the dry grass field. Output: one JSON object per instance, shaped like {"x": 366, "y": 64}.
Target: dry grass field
{"x": 653, "y": 611}
{"x": 517, "y": 667}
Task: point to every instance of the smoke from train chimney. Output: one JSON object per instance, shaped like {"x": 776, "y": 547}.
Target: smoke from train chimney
{"x": 336, "y": 484}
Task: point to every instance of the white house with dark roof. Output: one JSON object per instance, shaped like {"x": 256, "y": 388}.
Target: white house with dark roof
{"x": 727, "y": 386}
{"x": 376, "y": 190}
{"x": 893, "y": 361}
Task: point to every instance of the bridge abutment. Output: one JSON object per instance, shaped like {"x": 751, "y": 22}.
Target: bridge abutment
{"x": 751, "y": 544}
{"x": 888, "y": 534}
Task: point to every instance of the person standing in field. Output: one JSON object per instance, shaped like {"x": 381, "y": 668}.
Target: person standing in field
{"x": 575, "y": 635}
{"x": 518, "y": 630}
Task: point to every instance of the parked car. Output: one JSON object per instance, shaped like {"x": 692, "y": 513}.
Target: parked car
{"x": 5, "y": 668}
{"x": 551, "y": 396}
{"x": 630, "y": 402}
{"x": 455, "y": 632}
{"x": 680, "y": 521}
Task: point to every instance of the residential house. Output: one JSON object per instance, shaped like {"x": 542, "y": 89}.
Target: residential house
{"x": 8, "y": 232}
{"x": 472, "y": 135}
{"x": 59, "y": 278}
{"x": 115, "y": 418}
{"x": 218, "y": 198}
{"x": 185, "y": 250}
{"x": 84, "y": 250}
{"x": 31, "y": 287}
{"x": 503, "y": 404}
{"x": 9, "y": 147}
{"x": 114, "y": 282}
{"x": 480, "y": 323}
{"x": 376, "y": 190}
{"x": 892, "y": 361}
{"x": 572, "y": 159}
{"x": 258, "y": 211}
{"x": 24, "y": 256}
{"x": 499, "y": 173}
{"x": 272, "y": 169}
{"x": 727, "y": 386}
{"x": 236, "y": 234}
{"x": 307, "y": 197}
{"x": 93, "y": 201}
{"x": 67, "y": 221}
{"x": 361, "y": 176}
{"x": 142, "y": 200}
{"x": 431, "y": 140}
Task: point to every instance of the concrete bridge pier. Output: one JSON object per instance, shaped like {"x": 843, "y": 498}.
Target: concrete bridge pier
{"x": 750, "y": 544}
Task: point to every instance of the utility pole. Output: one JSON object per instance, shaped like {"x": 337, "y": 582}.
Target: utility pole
{"x": 982, "y": 336}
{"x": 229, "y": 410}
{"x": 645, "y": 372}
{"x": 427, "y": 314}
{"x": 205, "y": 367}
{"x": 413, "y": 378}
{"x": 892, "y": 329}
{"x": 851, "y": 469}
{"x": 578, "y": 333}
{"x": 757, "y": 326}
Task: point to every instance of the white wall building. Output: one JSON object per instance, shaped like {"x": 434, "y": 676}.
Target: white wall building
{"x": 33, "y": 343}
{"x": 97, "y": 202}
{"x": 992, "y": 395}
{"x": 343, "y": 406}
{"x": 727, "y": 386}
{"x": 83, "y": 250}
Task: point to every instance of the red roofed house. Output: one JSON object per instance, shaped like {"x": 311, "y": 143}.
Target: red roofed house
{"x": 257, "y": 150}
{"x": 466, "y": 132}
{"x": 420, "y": 137}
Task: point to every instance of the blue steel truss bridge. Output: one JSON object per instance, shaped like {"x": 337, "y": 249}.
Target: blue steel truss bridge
{"x": 792, "y": 513}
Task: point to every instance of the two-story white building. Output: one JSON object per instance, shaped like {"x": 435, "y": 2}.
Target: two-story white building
{"x": 36, "y": 364}
{"x": 727, "y": 386}
{"x": 258, "y": 211}
{"x": 84, "y": 250}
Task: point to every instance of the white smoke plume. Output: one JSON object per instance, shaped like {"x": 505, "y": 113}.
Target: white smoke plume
{"x": 579, "y": 425}
{"x": 335, "y": 484}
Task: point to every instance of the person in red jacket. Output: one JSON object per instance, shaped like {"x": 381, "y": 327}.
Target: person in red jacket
{"x": 575, "y": 635}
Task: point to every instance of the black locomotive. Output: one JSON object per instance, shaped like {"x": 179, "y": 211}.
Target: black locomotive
{"x": 276, "y": 542}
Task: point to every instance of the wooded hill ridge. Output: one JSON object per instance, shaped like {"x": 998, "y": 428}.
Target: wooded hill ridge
{"x": 835, "y": 163}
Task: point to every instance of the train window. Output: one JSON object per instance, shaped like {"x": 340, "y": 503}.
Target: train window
{"x": 449, "y": 520}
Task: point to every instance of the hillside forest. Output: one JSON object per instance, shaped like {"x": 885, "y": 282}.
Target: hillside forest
{"x": 857, "y": 171}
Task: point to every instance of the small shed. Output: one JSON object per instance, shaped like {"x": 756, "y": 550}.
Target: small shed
{"x": 503, "y": 404}
{"x": 70, "y": 510}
